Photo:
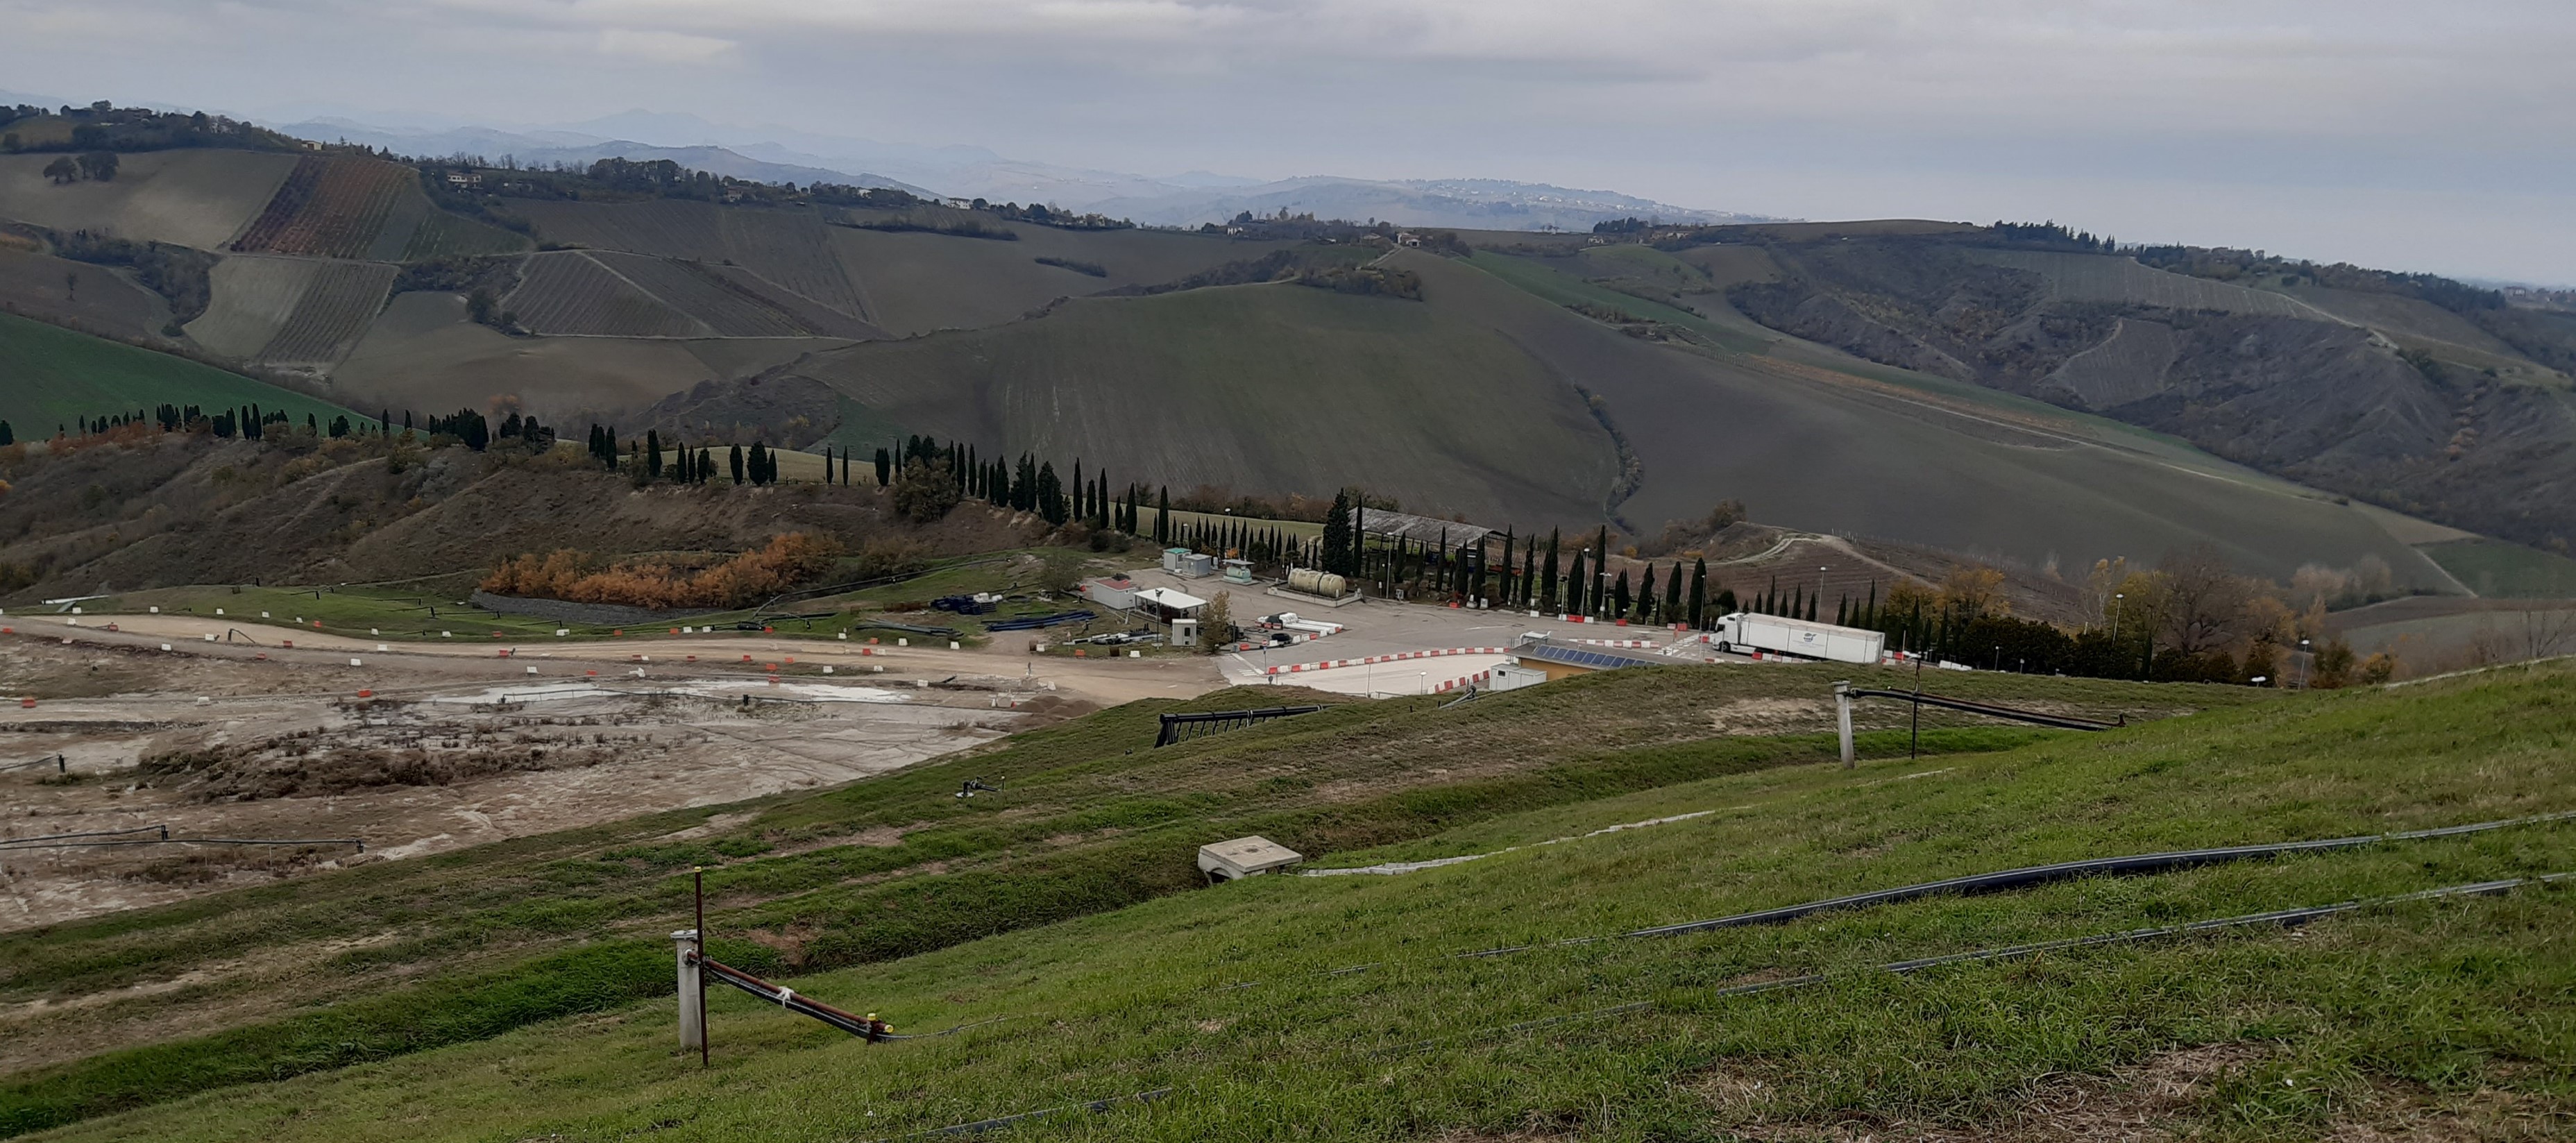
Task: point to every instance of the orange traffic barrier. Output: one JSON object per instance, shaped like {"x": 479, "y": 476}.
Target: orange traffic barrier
{"x": 366, "y": 694}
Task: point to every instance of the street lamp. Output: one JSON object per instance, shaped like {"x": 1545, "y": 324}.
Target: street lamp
{"x": 2119, "y": 603}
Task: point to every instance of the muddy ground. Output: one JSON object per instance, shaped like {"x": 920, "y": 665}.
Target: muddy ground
{"x": 445, "y": 751}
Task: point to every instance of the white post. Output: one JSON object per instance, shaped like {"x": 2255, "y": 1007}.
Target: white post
{"x": 693, "y": 994}
{"x": 1842, "y": 718}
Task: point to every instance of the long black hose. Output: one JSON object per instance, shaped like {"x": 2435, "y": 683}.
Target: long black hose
{"x": 2068, "y": 870}
{"x": 2282, "y": 917}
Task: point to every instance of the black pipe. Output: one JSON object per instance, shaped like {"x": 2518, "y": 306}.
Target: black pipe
{"x": 1990, "y": 710}
{"x": 2067, "y": 870}
{"x": 2283, "y": 917}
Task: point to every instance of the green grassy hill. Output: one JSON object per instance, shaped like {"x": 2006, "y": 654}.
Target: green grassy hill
{"x": 55, "y": 376}
{"x": 1344, "y": 1005}
{"x": 397, "y": 957}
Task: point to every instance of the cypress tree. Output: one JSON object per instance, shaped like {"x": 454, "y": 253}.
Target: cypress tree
{"x": 1574, "y": 582}
{"x": 737, "y": 464}
{"x": 1163, "y": 515}
{"x": 1619, "y": 597}
{"x": 1646, "y": 595}
{"x": 706, "y": 466}
{"x": 1547, "y": 586}
{"x": 1672, "y": 612}
{"x": 1698, "y": 591}
{"x": 885, "y": 468}
{"x": 1337, "y": 531}
{"x": 1600, "y": 565}
{"x": 652, "y": 445}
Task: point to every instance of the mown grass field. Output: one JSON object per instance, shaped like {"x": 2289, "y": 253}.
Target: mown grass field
{"x": 396, "y": 957}
{"x": 1339, "y": 1008}
{"x": 2498, "y": 569}
{"x": 56, "y": 376}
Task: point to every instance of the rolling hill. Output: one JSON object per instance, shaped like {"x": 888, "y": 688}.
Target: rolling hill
{"x": 1548, "y": 380}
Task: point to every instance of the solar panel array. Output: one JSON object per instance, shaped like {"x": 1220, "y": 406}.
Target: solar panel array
{"x": 1573, "y": 656}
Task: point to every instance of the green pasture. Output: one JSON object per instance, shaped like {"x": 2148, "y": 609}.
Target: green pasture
{"x": 50, "y": 376}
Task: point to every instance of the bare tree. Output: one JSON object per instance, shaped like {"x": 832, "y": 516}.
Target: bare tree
{"x": 2207, "y": 605}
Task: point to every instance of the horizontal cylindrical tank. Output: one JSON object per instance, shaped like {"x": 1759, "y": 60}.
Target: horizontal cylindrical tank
{"x": 1313, "y": 582}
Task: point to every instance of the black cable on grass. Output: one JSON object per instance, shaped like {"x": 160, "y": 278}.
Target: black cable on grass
{"x": 2069, "y": 870}
{"x": 1990, "y": 882}
{"x": 2282, "y": 917}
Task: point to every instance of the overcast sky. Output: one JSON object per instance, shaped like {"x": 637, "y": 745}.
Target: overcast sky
{"x": 2417, "y": 135}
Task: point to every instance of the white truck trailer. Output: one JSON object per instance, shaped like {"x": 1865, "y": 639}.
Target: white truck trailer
{"x": 1747, "y": 632}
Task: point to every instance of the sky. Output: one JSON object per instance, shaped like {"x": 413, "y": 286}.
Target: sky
{"x": 2414, "y": 136}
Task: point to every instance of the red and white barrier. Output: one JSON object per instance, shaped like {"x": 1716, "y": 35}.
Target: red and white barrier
{"x": 1400, "y": 656}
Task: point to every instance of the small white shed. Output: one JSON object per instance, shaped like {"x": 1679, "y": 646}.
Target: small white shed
{"x": 1245, "y": 857}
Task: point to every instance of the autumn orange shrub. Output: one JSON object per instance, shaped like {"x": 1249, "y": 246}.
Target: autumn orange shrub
{"x": 744, "y": 580}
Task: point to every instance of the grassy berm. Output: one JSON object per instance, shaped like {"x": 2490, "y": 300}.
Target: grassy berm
{"x": 1068, "y": 905}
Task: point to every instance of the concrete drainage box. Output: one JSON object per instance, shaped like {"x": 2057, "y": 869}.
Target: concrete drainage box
{"x": 1245, "y": 857}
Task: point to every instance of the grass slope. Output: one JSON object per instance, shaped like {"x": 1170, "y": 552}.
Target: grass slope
{"x": 395, "y": 957}
{"x": 1273, "y": 388}
{"x": 2496, "y": 568}
{"x": 1361, "y": 1022}
{"x": 55, "y": 376}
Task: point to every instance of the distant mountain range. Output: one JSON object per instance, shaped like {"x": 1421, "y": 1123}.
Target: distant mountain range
{"x": 778, "y": 154}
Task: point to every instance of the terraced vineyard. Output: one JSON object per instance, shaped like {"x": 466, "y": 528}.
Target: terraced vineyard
{"x": 788, "y": 248}
{"x": 330, "y": 207}
{"x": 726, "y": 310}
{"x": 337, "y": 305}
{"x": 441, "y": 234}
{"x": 602, "y": 293}
{"x": 571, "y": 293}
{"x": 252, "y": 299}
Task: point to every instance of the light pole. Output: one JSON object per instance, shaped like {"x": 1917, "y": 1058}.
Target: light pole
{"x": 2119, "y": 603}
{"x": 1820, "y": 588}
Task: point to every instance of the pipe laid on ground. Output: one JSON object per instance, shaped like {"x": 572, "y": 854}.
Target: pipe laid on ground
{"x": 2067, "y": 870}
{"x": 2282, "y": 917}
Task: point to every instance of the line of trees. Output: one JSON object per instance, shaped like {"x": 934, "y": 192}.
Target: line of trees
{"x": 248, "y": 422}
